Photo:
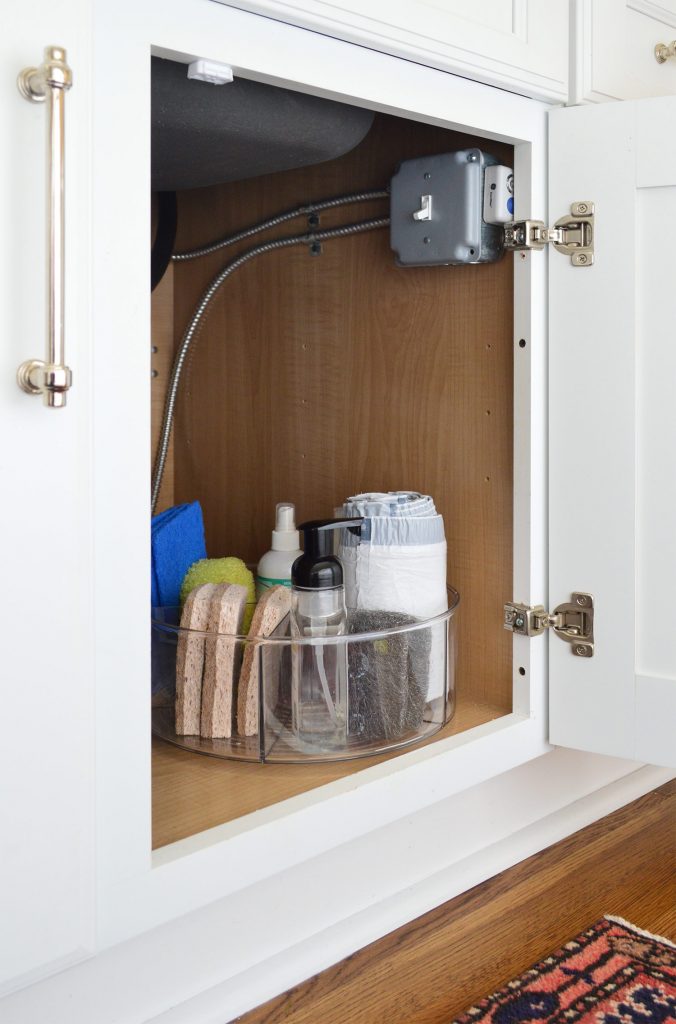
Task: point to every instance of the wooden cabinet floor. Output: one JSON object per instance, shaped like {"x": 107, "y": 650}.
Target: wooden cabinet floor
{"x": 432, "y": 969}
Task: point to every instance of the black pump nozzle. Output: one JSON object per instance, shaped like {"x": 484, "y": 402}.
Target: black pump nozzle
{"x": 318, "y": 568}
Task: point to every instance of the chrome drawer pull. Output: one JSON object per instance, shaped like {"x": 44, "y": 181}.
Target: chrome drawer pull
{"x": 51, "y": 378}
{"x": 665, "y": 51}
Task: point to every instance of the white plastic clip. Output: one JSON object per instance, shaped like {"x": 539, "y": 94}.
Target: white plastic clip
{"x": 425, "y": 211}
{"x": 210, "y": 71}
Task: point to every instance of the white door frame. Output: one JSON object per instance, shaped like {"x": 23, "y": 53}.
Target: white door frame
{"x": 137, "y": 890}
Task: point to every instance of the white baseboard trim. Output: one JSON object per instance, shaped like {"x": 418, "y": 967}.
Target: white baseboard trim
{"x": 272, "y": 977}
{"x": 211, "y": 965}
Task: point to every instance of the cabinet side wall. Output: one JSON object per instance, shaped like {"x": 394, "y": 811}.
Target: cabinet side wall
{"x": 163, "y": 347}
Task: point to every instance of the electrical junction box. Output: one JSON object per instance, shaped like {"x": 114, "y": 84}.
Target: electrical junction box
{"x": 436, "y": 211}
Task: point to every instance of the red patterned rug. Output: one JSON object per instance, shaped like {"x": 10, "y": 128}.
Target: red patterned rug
{"x": 613, "y": 973}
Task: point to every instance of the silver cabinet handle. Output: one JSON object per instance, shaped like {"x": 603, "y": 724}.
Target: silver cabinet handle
{"x": 49, "y": 83}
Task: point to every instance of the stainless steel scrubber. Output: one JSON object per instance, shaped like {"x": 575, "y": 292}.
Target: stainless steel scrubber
{"x": 388, "y": 678}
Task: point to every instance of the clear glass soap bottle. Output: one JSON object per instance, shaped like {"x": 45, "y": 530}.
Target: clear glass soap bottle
{"x": 319, "y": 685}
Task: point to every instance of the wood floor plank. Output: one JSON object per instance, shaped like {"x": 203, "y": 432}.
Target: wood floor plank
{"x": 433, "y": 968}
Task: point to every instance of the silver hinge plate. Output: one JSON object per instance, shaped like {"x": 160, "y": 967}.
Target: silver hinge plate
{"x": 573, "y": 235}
{"x": 572, "y": 621}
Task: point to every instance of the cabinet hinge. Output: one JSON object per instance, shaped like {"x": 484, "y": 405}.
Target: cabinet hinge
{"x": 572, "y": 621}
{"x": 573, "y": 235}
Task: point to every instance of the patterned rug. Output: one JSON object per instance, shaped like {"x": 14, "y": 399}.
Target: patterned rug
{"x": 613, "y": 973}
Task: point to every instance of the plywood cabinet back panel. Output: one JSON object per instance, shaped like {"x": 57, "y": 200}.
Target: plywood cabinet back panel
{"x": 316, "y": 377}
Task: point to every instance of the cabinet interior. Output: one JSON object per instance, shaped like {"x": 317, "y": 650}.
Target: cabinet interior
{"x": 316, "y": 377}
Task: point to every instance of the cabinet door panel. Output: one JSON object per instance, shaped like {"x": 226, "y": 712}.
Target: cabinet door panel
{"x": 614, "y": 49}
{"x": 521, "y": 45}
{"x": 613, "y": 430}
{"x": 46, "y": 753}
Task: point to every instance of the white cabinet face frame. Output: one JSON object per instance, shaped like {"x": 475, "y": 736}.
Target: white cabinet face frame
{"x": 137, "y": 889}
{"x": 520, "y": 45}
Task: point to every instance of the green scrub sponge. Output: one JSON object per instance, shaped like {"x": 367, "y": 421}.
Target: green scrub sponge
{"x": 222, "y": 570}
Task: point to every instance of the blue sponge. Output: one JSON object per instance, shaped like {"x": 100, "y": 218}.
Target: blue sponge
{"x": 177, "y": 540}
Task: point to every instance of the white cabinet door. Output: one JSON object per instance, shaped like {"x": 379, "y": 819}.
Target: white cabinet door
{"x": 46, "y": 751}
{"x": 613, "y": 429}
{"x": 520, "y": 45}
{"x": 613, "y": 45}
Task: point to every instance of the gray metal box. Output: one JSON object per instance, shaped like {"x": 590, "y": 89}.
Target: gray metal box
{"x": 436, "y": 211}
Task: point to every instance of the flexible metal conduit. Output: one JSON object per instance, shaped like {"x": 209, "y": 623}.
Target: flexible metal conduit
{"x": 198, "y": 316}
{"x": 299, "y": 211}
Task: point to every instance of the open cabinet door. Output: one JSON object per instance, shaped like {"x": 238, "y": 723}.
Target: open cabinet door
{"x": 612, "y": 437}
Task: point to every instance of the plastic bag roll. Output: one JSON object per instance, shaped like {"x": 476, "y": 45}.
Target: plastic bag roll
{"x": 398, "y": 564}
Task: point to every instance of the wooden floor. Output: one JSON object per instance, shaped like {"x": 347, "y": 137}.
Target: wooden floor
{"x": 432, "y": 969}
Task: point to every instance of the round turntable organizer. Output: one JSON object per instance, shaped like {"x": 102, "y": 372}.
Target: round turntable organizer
{"x": 400, "y": 681}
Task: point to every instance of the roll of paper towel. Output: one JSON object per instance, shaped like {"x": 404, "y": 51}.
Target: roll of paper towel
{"x": 398, "y": 564}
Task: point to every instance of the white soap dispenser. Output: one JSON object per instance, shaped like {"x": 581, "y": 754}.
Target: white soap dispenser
{"x": 274, "y": 567}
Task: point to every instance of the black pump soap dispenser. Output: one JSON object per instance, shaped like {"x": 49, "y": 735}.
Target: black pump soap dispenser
{"x": 318, "y": 568}
{"x": 318, "y": 613}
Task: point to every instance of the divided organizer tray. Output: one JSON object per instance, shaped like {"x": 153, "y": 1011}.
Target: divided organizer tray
{"x": 399, "y": 683}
